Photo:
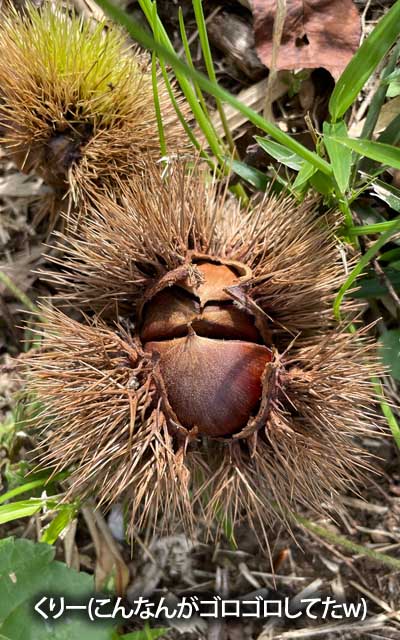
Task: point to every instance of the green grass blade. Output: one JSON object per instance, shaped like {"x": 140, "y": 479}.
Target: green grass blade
{"x": 154, "y": 79}
{"x": 306, "y": 172}
{"x": 365, "y": 164}
{"x": 208, "y": 60}
{"x": 392, "y": 255}
{"x": 349, "y": 545}
{"x": 189, "y": 59}
{"x": 364, "y": 62}
{"x": 387, "y": 412}
{"x": 280, "y": 153}
{"x": 58, "y": 524}
{"x": 379, "y": 97}
{"x": 371, "y": 229}
{"x": 15, "y": 510}
{"x": 184, "y": 71}
{"x": 362, "y": 263}
{"x": 23, "y": 509}
{"x": 384, "y": 153}
{"x": 341, "y": 159}
{"x": 28, "y": 486}
{"x": 178, "y": 112}
{"x": 253, "y": 176}
{"x": 163, "y": 47}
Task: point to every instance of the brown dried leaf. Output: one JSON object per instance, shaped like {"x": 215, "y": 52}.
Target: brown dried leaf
{"x": 316, "y": 33}
{"x": 109, "y": 562}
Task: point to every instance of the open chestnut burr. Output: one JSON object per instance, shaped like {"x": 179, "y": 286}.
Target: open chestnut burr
{"x": 207, "y": 374}
{"x": 196, "y": 326}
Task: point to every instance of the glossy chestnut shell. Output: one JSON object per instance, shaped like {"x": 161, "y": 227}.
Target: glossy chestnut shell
{"x": 212, "y": 356}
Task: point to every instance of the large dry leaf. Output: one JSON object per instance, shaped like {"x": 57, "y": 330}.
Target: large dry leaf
{"x": 316, "y": 33}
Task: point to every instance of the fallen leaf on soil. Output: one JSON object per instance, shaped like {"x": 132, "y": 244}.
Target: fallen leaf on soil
{"x": 316, "y": 33}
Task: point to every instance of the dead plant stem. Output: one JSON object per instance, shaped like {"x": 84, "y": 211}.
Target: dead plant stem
{"x": 273, "y": 72}
{"x": 341, "y": 541}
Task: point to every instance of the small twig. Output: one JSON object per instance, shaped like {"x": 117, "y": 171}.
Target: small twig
{"x": 363, "y": 20}
{"x": 381, "y": 603}
{"x": 276, "y": 43}
{"x": 87, "y": 513}
{"x": 217, "y": 630}
{"x": 105, "y": 531}
{"x": 357, "y": 503}
{"x": 348, "y": 562}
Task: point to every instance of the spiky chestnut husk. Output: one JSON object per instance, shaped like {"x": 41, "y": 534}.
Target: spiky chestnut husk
{"x": 76, "y": 105}
{"x": 212, "y": 377}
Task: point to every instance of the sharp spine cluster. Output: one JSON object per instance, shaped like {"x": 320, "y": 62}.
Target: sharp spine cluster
{"x": 138, "y": 260}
